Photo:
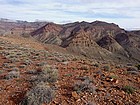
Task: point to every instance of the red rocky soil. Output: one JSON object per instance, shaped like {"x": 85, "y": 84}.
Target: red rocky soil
{"x": 81, "y": 81}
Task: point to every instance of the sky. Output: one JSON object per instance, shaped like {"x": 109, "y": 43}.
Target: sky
{"x": 125, "y": 13}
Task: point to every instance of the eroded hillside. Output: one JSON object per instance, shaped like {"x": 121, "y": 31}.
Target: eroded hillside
{"x": 98, "y": 40}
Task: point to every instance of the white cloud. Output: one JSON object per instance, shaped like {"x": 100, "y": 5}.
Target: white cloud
{"x": 124, "y": 12}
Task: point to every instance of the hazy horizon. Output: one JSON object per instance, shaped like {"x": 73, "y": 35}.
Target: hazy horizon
{"x": 125, "y": 13}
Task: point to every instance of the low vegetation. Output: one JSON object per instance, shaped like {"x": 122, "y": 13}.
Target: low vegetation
{"x": 132, "y": 69}
{"x": 12, "y": 74}
{"x": 39, "y": 95}
{"x": 47, "y": 74}
{"x": 84, "y": 86}
{"x": 84, "y": 67}
{"x": 129, "y": 89}
{"x": 106, "y": 68}
{"x": 138, "y": 66}
{"x": 96, "y": 65}
{"x": 113, "y": 76}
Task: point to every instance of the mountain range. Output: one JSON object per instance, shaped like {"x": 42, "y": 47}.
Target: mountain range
{"x": 96, "y": 40}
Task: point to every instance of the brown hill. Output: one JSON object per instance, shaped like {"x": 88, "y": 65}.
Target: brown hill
{"x": 48, "y": 34}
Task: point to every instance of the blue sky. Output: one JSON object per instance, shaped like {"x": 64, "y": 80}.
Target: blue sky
{"x": 126, "y": 13}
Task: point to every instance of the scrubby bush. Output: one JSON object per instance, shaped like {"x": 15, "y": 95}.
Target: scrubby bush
{"x": 22, "y": 66}
{"x": 11, "y": 66}
{"x": 68, "y": 75}
{"x": 15, "y": 69}
{"x": 74, "y": 59}
{"x": 32, "y": 72}
{"x": 39, "y": 95}
{"x": 106, "y": 68}
{"x": 138, "y": 66}
{"x": 113, "y": 76}
{"x": 35, "y": 57}
{"x": 129, "y": 89}
{"x": 118, "y": 66}
{"x": 12, "y": 60}
{"x": 47, "y": 74}
{"x": 5, "y": 65}
{"x": 96, "y": 65}
{"x": 1, "y": 71}
{"x": 85, "y": 67}
{"x": 12, "y": 74}
{"x": 27, "y": 62}
{"x": 34, "y": 80}
{"x": 132, "y": 69}
{"x": 85, "y": 85}
{"x": 50, "y": 74}
{"x": 133, "y": 72}
{"x": 41, "y": 64}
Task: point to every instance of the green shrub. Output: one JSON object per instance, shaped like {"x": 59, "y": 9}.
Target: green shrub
{"x": 74, "y": 59}
{"x": 68, "y": 75}
{"x": 113, "y": 76}
{"x": 106, "y": 68}
{"x": 129, "y": 89}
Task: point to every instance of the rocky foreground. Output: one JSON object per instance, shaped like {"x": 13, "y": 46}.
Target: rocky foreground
{"x": 31, "y": 75}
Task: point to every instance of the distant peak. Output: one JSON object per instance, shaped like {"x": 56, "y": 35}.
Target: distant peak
{"x": 102, "y": 23}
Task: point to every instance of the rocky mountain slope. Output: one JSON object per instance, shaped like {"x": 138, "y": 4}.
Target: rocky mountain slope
{"x": 32, "y": 74}
{"x": 99, "y": 40}
{"x": 48, "y": 34}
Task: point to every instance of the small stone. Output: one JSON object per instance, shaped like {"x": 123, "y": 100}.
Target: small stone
{"x": 75, "y": 95}
{"x": 116, "y": 81}
{"x": 56, "y": 102}
{"x": 84, "y": 96}
{"x": 65, "y": 63}
{"x": 78, "y": 100}
{"x": 138, "y": 79}
{"x": 63, "y": 102}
